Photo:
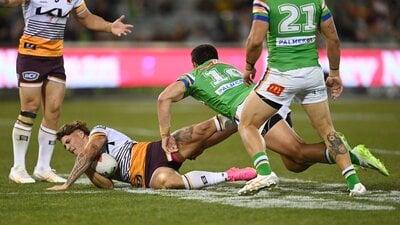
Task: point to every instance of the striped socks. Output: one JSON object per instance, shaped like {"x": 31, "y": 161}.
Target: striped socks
{"x": 261, "y": 163}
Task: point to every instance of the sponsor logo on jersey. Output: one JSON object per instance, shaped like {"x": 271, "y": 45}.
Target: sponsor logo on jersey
{"x": 57, "y": 12}
{"x": 275, "y": 89}
{"x": 295, "y": 41}
{"x": 30, "y": 75}
{"x": 29, "y": 46}
{"x": 228, "y": 86}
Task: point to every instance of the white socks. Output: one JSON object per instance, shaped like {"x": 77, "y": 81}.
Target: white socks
{"x": 47, "y": 140}
{"x": 200, "y": 179}
{"x": 20, "y": 138}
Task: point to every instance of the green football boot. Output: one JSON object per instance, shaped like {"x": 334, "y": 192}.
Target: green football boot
{"x": 367, "y": 160}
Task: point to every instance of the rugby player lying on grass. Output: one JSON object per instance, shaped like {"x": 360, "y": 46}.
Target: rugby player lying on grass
{"x": 145, "y": 164}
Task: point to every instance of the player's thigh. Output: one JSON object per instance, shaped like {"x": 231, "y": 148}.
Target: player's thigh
{"x": 283, "y": 140}
{"x": 255, "y": 111}
{"x": 319, "y": 116}
{"x": 165, "y": 177}
{"x": 53, "y": 97}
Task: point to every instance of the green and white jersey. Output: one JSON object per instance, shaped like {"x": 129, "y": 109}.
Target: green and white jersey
{"x": 293, "y": 25}
{"x": 218, "y": 85}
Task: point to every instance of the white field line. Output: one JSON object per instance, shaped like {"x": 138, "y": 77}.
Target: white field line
{"x": 385, "y": 151}
{"x": 291, "y": 193}
{"x": 365, "y": 116}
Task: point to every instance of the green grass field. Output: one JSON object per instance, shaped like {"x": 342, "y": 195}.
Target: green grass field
{"x": 316, "y": 196}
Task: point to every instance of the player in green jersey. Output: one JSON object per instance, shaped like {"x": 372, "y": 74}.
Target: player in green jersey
{"x": 221, "y": 87}
{"x": 290, "y": 28}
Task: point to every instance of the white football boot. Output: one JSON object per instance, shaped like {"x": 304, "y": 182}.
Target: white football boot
{"x": 253, "y": 186}
{"x": 358, "y": 190}
{"x": 48, "y": 175}
{"x": 19, "y": 175}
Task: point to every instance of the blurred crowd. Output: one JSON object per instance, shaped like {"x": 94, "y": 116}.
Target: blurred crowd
{"x": 214, "y": 21}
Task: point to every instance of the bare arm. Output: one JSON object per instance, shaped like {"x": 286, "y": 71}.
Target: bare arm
{"x": 11, "y": 3}
{"x": 96, "y": 23}
{"x": 173, "y": 93}
{"x": 254, "y": 48}
{"x": 329, "y": 32}
{"x": 99, "y": 180}
{"x": 83, "y": 161}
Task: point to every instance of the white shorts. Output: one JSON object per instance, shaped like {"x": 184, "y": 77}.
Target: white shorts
{"x": 305, "y": 86}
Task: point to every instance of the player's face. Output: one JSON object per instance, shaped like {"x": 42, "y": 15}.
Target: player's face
{"x": 75, "y": 142}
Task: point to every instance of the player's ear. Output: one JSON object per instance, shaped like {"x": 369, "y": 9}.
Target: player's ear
{"x": 195, "y": 64}
{"x": 81, "y": 133}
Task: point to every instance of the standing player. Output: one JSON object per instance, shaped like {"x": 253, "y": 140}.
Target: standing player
{"x": 220, "y": 86}
{"x": 290, "y": 28}
{"x": 41, "y": 76}
{"x": 144, "y": 164}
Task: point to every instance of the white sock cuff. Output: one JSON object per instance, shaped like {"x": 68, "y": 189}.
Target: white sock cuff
{"x": 327, "y": 156}
{"x": 47, "y": 130}
{"x": 260, "y": 160}
{"x": 348, "y": 171}
{"x": 217, "y": 123}
{"x": 19, "y": 126}
{"x": 186, "y": 182}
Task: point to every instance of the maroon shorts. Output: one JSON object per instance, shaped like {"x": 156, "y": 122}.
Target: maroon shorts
{"x": 155, "y": 158}
{"x": 33, "y": 70}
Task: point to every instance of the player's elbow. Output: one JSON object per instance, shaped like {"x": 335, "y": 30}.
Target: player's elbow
{"x": 109, "y": 186}
{"x": 333, "y": 43}
{"x": 254, "y": 42}
{"x": 163, "y": 98}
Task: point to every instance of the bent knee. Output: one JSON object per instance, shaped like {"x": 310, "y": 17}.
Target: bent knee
{"x": 297, "y": 168}
{"x": 294, "y": 165}
{"x": 165, "y": 179}
{"x": 295, "y": 154}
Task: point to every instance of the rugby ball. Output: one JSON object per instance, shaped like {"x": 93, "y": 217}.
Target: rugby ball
{"x": 105, "y": 165}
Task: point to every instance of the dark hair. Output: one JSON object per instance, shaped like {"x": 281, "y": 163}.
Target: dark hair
{"x": 68, "y": 128}
{"x": 203, "y": 53}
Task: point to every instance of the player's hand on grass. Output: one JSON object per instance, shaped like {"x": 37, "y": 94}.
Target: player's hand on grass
{"x": 58, "y": 188}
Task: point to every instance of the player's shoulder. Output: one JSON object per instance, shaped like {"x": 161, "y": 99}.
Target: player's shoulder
{"x": 99, "y": 129}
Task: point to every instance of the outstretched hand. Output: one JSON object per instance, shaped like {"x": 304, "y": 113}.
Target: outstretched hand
{"x": 119, "y": 28}
{"x": 62, "y": 187}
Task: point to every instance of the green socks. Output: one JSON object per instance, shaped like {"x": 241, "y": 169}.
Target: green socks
{"x": 261, "y": 163}
{"x": 351, "y": 177}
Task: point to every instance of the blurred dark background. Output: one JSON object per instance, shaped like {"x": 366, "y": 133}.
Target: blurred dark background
{"x": 370, "y": 23}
